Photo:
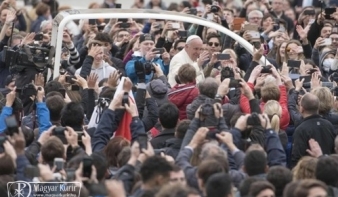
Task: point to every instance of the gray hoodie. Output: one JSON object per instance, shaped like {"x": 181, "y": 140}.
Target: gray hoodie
{"x": 103, "y": 71}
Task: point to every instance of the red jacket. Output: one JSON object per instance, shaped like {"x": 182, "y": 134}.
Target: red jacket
{"x": 283, "y": 101}
{"x": 182, "y": 96}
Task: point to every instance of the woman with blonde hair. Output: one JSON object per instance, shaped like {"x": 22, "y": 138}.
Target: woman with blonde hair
{"x": 305, "y": 168}
{"x": 326, "y": 104}
{"x": 274, "y": 111}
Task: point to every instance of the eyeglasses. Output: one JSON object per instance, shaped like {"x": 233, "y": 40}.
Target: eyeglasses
{"x": 213, "y": 44}
{"x": 180, "y": 48}
{"x": 256, "y": 18}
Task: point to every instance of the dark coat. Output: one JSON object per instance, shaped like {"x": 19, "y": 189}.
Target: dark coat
{"x": 312, "y": 127}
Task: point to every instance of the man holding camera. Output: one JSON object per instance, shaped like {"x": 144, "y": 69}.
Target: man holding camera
{"x": 141, "y": 69}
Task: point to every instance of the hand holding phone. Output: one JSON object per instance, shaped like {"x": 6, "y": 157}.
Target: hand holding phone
{"x": 38, "y": 37}
{"x": 158, "y": 51}
{"x": 12, "y": 126}
{"x": 87, "y": 163}
{"x": 58, "y": 164}
{"x": 143, "y": 141}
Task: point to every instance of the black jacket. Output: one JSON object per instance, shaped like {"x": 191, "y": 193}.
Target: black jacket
{"x": 312, "y": 127}
{"x": 173, "y": 147}
{"x": 159, "y": 141}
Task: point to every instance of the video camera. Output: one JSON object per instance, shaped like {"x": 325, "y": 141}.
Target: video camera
{"x": 29, "y": 56}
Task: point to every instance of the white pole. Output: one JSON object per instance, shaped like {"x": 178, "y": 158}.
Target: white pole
{"x": 67, "y": 16}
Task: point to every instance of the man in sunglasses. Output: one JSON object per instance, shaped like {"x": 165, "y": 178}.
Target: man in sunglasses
{"x": 177, "y": 47}
{"x": 189, "y": 55}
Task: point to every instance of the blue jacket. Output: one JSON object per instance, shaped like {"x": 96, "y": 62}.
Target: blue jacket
{"x": 130, "y": 69}
{"x": 6, "y": 112}
{"x": 42, "y": 116}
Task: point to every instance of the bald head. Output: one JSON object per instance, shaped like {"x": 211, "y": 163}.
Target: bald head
{"x": 310, "y": 103}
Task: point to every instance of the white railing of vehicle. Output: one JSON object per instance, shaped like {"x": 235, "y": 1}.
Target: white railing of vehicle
{"x": 64, "y": 17}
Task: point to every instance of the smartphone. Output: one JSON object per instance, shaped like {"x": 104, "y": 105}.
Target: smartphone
{"x": 182, "y": 34}
{"x": 12, "y": 125}
{"x": 254, "y": 34}
{"x": 327, "y": 42}
{"x": 92, "y": 21}
{"x": 38, "y": 37}
{"x": 266, "y": 69}
{"x": 31, "y": 171}
{"x": 309, "y": 12}
{"x": 59, "y": 132}
{"x": 63, "y": 92}
{"x": 143, "y": 141}
{"x": 294, "y": 63}
{"x": 175, "y": 25}
{"x": 79, "y": 136}
{"x": 307, "y": 79}
{"x": 158, "y": 51}
{"x": 70, "y": 174}
{"x": 59, "y": 164}
{"x": 210, "y": 17}
{"x": 118, "y": 5}
{"x": 211, "y": 135}
{"x": 87, "y": 163}
{"x": 235, "y": 83}
{"x": 256, "y": 44}
{"x": 249, "y": 27}
{"x": 193, "y": 11}
{"x": 223, "y": 56}
{"x": 237, "y": 23}
{"x": 75, "y": 88}
{"x": 311, "y": 71}
{"x": 69, "y": 79}
{"x": 328, "y": 12}
{"x": 124, "y": 25}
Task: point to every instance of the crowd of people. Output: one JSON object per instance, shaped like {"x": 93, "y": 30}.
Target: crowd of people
{"x": 161, "y": 108}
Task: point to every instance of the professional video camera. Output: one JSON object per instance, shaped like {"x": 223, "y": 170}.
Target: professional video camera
{"x": 29, "y": 56}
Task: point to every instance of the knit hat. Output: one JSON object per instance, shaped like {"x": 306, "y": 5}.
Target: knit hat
{"x": 158, "y": 90}
{"x": 146, "y": 37}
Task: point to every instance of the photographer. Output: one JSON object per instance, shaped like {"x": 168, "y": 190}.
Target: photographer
{"x": 140, "y": 68}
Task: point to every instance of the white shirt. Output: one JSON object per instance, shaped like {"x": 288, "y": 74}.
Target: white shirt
{"x": 177, "y": 61}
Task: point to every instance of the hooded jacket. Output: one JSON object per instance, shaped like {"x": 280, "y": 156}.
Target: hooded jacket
{"x": 103, "y": 71}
